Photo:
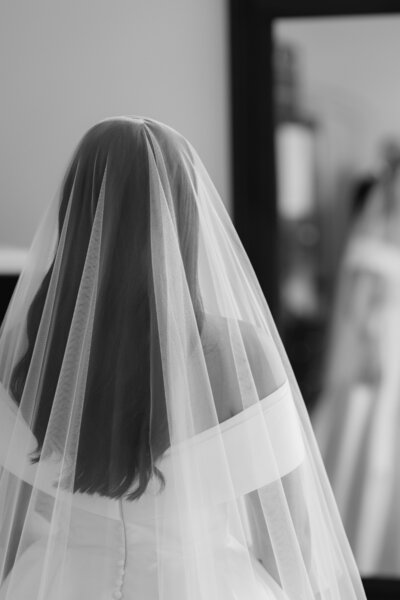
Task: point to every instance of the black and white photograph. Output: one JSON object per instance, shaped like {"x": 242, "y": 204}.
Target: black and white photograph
{"x": 199, "y": 300}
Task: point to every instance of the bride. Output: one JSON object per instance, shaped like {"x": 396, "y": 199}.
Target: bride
{"x": 153, "y": 441}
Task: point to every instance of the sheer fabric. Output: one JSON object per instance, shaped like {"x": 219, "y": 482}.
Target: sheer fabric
{"x": 356, "y": 423}
{"x": 153, "y": 440}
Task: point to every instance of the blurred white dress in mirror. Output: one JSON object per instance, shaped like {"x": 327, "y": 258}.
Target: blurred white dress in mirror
{"x": 357, "y": 421}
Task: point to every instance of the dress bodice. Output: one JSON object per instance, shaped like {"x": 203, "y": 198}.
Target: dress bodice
{"x": 129, "y": 541}
{"x": 119, "y": 545}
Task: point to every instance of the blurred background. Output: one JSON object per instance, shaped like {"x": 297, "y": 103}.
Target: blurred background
{"x": 296, "y": 116}
{"x": 337, "y": 108}
{"x": 336, "y": 99}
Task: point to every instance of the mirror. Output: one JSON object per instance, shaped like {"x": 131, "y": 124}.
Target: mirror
{"x": 337, "y": 151}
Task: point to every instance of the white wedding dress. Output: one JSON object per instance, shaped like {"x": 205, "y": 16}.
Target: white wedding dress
{"x": 112, "y": 547}
{"x": 357, "y": 421}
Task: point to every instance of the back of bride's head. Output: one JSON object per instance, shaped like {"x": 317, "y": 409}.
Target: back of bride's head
{"x": 100, "y": 286}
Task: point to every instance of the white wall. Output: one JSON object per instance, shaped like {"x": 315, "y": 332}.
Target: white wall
{"x": 65, "y": 65}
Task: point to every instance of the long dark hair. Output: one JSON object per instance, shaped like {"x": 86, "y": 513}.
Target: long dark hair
{"x": 124, "y": 426}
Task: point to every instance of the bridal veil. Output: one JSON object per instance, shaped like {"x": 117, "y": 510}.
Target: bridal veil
{"x": 143, "y": 380}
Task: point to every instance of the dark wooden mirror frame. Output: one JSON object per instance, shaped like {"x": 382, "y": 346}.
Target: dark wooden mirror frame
{"x": 253, "y": 157}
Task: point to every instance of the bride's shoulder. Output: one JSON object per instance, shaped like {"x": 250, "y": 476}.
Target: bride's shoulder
{"x": 258, "y": 348}
{"x": 218, "y": 329}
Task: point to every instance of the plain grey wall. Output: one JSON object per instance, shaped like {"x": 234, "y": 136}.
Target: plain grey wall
{"x": 66, "y": 64}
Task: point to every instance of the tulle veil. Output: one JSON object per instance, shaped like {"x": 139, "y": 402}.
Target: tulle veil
{"x": 143, "y": 381}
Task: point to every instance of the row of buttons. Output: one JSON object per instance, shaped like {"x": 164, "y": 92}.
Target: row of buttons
{"x": 117, "y": 595}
